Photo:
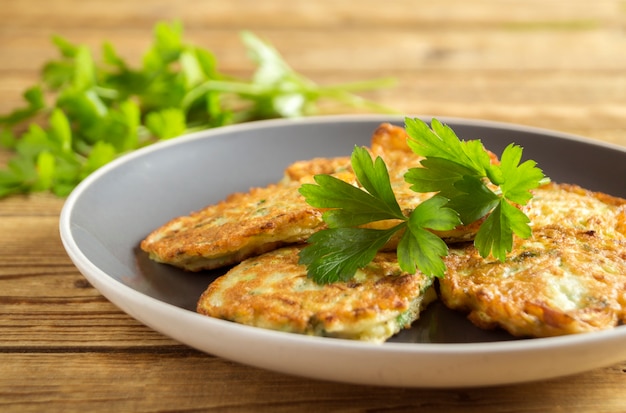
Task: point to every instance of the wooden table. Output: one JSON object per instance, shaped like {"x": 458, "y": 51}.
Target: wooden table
{"x": 63, "y": 347}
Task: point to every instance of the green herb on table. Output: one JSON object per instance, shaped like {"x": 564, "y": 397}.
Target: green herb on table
{"x": 81, "y": 114}
{"x": 467, "y": 187}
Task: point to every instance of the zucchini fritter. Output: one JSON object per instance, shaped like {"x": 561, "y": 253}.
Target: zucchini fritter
{"x": 241, "y": 226}
{"x": 569, "y": 277}
{"x": 570, "y": 206}
{"x": 273, "y": 291}
{"x": 304, "y": 171}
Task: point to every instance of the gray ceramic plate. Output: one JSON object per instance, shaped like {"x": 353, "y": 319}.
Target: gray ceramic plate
{"x": 107, "y": 216}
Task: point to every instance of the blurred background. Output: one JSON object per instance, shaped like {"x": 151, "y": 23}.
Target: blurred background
{"x": 554, "y": 64}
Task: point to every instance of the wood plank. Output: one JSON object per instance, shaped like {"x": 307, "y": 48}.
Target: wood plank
{"x": 185, "y": 380}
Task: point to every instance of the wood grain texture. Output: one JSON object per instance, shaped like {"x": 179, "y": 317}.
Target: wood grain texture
{"x": 63, "y": 347}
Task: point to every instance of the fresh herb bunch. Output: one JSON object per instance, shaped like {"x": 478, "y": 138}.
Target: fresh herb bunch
{"x": 467, "y": 187}
{"x": 82, "y": 115}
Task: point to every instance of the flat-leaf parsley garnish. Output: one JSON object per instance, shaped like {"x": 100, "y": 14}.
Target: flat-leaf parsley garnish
{"x": 467, "y": 186}
{"x": 83, "y": 113}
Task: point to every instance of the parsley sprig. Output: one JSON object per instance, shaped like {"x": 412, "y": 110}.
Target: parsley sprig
{"x": 468, "y": 186}
{"x": 336, "y": 253}
{"x": 84, "y": 113}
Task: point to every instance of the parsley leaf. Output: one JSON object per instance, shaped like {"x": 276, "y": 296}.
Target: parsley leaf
{"x": 353, "y": 206}
{"x": 463, "y": 172}
{"x": 336, "y": 254}
{"x": 420, "y": 248}
{"x": 495, "y": 235}
{"x": 441, "y": 142}
{"x": 87, "y": 112}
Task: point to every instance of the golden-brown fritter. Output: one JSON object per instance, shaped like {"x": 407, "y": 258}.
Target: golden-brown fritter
{"x": 305, "y": 170}
{"x": 241, "y": 226}
{"x": 273, "y": 291}
{"x": 559, "y": 282}
{"x": 569, "y": 277}
{"x": 570, "y": 206}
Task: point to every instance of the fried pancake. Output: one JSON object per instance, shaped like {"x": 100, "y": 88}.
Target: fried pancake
{"x": 571, "y": 206}
{"x": 304, "y": 171}
{"x": 272, "y": 291}
{"x": 559, "y": 282}
{"x": 245, "y": 224}
{"x": 569, "y": 277}
{"x": 241, "y": 226}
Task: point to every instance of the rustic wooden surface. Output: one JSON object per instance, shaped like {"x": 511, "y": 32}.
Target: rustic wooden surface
{"x": 63, "y": 347}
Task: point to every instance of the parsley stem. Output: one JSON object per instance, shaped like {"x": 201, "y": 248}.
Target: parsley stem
{"x": 106, "y": 92}
{"x": 221, "y": 86}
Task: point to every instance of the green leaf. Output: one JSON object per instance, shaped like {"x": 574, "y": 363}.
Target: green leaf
{"x": 110, "y": 56}
{"x": 442, "y": 142}
{"x": 516, "y": 220}
{"x": 437, "y": 175}
{"x": 35, "y": 103}
{"x": 45, "y": 170}
{"x": 64, "y": 46}
{"x": 495, "y": 235}
{"x": 218, "y": 115}
{"x": 280, "y": 91}
{"x": 101, "y": 154}
{"x": 434, "y": 213}
{"x": 7, "y": 139}
{"x": 67, "y": 175}
{"x": 423, "y": 250}
{"x": 25, "y": 169}
{"x": 336, "y": 254}
{"x": 191, "y": 68}
{"x": 34, "y": 141}
{"x": 86, "y": 111}
{"x": 420, "y": 248}
{"x": 167, "y": 123}
{"x": 519, "y": 179}
{"x": 374, "y": 177}
{"x": 474, "y": 199}
{"x": 353, "y": 206}
{"x": 166, "y": 48}
{"x": 84, "y": 69}
{"x": 130, "y": 115}
{"x": 207, "y": 62}
{"x": 271, "y": 69}
{"x": 10, "y": 183}
{"x": 60, "y": 131}
{"x": 462, "y": 171}
{"x": 57, "y": 74}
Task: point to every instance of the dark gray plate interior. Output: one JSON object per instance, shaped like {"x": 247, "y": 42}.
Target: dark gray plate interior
{"x": 143, "y": 191}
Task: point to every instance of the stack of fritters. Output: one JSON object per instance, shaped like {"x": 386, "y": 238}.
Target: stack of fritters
{"x": 569, "y": 277}
{"x": 270, "y": 289}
